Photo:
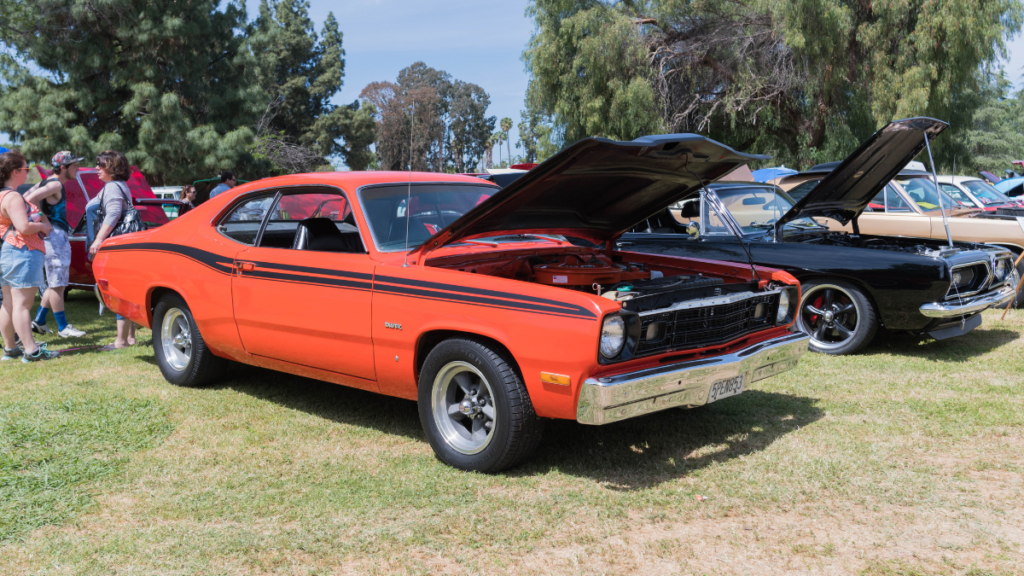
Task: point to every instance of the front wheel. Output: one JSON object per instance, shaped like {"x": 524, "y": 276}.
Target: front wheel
{"x": 839, "y": 318}
{"x": 179, "y": 347}
{"x": 475, "y": 409}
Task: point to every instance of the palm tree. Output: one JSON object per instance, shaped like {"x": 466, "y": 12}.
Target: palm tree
{"x": 506, "y": 125}
{"x": 497, "y": 138}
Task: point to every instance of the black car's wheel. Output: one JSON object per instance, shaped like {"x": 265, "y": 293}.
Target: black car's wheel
{"x": 838, "y": 317}
{"x": 474, "y": 408}
{"x": 180, "y": 349}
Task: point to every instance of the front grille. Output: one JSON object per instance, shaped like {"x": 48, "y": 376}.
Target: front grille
{"x": 705, "y": 326}
{"x": 973, "y": 279}
{"x": 1010, "y": 211}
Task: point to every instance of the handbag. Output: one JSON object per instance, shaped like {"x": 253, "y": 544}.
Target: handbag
{"x": 130, "y": 221}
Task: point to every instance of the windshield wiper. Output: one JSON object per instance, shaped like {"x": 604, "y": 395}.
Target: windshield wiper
{"x": 528, "y": 237}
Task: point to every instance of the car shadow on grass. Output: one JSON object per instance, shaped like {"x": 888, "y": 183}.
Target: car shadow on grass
{"x": 644, "y": 452}
{"x": 329, "y": 401}
{"x": 630, "y": 455}
{"x": 959, "y": 349}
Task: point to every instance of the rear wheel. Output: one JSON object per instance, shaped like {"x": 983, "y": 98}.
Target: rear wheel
{"x": 839, "y": 318}
{"x": 179, "y": 347}
{"x": 475, "y": 409}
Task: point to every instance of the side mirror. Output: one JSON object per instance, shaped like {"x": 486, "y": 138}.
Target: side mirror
{"x": 693, "y": 230}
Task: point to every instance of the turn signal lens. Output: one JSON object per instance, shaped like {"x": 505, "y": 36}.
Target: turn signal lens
{"x": 613, "y": 336}
{"x": 557, "y": 379}
{"x": 783, "y": 312}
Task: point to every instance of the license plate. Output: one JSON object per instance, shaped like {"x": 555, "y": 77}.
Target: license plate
{"x": 725, "y": 388}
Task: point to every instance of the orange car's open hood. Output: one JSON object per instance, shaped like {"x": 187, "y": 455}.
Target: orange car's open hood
{"x": 598, "y": 188}
{"x": 848, "y": 188}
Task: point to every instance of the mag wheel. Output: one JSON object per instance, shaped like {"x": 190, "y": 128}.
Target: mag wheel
{"x": 838, "y": 317}
{"x": 179, "y": 347}
{"x": 474, "y": 408}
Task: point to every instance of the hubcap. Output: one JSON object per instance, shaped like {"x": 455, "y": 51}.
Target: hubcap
{"x": 830, "y": 315}
{"x": 463, "y": 406}
{"x": 176, "y": 339}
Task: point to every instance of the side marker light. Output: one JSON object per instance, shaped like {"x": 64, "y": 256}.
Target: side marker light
{"x": 557, "y": 379}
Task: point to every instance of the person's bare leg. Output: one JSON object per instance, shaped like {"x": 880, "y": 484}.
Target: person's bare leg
{"x": 6, "y": 323}
{"x": 53, "y": 299}
{"x": 21, "y": 316}
{"x": 125, "y": 334}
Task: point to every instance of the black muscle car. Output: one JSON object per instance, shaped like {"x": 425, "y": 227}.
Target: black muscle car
{"x": 853, "y": 284}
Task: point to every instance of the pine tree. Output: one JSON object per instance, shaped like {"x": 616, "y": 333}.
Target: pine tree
{"x": 170, "y": 83}
{"x": 301, "y": 72}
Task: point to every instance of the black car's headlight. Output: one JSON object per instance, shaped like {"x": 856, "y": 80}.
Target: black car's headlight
{"x": 1001, "y": 269}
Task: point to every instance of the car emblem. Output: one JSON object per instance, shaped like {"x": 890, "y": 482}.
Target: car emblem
{"x": 392, "y": 325}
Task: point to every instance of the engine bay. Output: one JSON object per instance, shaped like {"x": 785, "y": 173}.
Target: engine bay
{"x": 633, "y": 284}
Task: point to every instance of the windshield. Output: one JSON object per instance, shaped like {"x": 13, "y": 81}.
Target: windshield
{"x": 985, "y": 192}
{"x": 432, "y": 208}
{"x": 754, "y": 208}
{"x": 957, "y": 194}
{"x": 923, "y": 192}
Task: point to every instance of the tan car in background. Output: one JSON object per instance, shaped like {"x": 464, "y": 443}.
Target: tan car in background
{"x": 909, "y": 206}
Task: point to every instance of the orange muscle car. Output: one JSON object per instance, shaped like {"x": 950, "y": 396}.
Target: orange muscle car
{"x": 492, "y": 308}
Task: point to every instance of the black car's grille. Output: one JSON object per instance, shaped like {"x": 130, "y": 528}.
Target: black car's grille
{"x": 973, "y": 278}
{"x": 705, "y": 326}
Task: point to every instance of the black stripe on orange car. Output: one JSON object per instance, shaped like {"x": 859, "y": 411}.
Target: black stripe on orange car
{"x": 273, "y": 271}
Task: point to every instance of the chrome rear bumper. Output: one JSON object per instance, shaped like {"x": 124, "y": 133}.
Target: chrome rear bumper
{"x": 614, "y": 398}
{"x": 972, "y": 305}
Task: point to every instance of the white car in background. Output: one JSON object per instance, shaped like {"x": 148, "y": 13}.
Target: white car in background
{"x": 167, "y": 192}
{"x": 976, "y": 192}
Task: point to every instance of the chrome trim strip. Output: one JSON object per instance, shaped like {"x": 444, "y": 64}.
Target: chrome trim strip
{"x": 622, "y": 396}
{"x": 713, "y": 301}
{"x": 995, "y": 298}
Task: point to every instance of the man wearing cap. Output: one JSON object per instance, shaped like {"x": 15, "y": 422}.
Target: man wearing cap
{"x": 51, "y": 199}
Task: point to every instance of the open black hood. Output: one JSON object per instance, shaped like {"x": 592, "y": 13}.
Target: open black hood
{"x": 598, "y": 188}
{"x": 846, "y": 189}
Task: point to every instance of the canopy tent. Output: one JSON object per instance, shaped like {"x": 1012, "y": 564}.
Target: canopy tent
{"x": 2, "y": 149}
{"x": 769, "y": 174}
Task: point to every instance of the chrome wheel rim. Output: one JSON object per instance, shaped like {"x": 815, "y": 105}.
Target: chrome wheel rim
{"x": 176, "y": 339}
{"x": 830, "y": 315}
{"x": 463, "y": 406}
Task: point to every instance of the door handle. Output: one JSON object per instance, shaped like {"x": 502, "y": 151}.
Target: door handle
{"x": 245, "y": 266}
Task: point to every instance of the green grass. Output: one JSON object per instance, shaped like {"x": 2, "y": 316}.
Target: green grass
{"x": 906, "y": 459}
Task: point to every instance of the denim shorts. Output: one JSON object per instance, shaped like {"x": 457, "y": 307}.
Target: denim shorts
{"x": 21, "y": 267}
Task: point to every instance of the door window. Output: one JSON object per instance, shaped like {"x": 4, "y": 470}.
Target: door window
{"x": 956, "y": 194}
{"x": 243, "y": 223}
{"x": 889, "y": 201}
{"x": 319, "y": 221}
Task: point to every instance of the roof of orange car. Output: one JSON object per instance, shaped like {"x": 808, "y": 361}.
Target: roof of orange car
{"x": 352, "y": 180}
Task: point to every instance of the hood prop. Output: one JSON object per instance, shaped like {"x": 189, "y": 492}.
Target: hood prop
{"x": 935, "y": 180}
{"x": 715, "y": 203}
{"x": 408, "y": 195}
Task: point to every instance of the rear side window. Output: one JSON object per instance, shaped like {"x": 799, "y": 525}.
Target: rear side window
{"x": 243, "y": 223}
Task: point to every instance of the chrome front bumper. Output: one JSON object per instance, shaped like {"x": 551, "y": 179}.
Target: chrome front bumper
{"x": 614, "y": 398}
{"x": 972, "y": 305}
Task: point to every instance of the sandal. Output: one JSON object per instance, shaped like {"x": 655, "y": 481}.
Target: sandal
{"x": 109, "y": 348}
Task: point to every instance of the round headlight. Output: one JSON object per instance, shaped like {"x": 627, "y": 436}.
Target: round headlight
{"x": 1001, "y": 269}
{"x": 783, "y": 306}
{"x": 613, "y": 336}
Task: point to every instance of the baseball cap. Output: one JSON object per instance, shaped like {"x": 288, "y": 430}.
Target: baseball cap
{"x": 65, "y": 158}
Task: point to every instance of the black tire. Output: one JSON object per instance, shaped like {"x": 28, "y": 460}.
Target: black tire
{"x": 470, "y": 377}
{"x": 201, "y": 367}
{"x": 852, "y": 324}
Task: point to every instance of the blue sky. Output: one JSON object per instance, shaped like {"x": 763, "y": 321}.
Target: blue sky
{"x": 475, "y": 41}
